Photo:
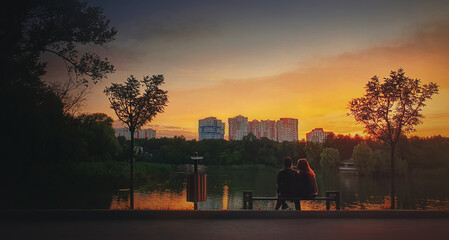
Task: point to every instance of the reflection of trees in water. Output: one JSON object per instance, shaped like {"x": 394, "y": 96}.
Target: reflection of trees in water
{"x": 174, "y": 183}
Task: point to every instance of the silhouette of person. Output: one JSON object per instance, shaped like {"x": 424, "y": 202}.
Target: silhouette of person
{"x": 305, "y": 183}
{"x": 285, "y": 180}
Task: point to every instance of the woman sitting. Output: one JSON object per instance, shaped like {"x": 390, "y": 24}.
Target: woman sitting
{"x": 305, "y": 182}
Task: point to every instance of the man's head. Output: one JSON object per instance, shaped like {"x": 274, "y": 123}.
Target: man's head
{"x": 288, "y": 162}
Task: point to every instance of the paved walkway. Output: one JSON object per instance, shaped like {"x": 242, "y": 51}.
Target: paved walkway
{"x": 212, "y": 226}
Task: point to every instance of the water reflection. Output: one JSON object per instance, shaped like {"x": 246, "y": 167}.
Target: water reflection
{"x": 225, "y": 198}
{"x": 226, "y": 184}
{"x": 156, "y": 200}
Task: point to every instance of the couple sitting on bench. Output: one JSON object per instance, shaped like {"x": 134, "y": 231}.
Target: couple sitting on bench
{"x": 293, "y": 184}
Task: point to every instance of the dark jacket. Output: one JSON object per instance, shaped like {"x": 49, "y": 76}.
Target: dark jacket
{"x": 285, "y": 182}
{"x": 306, "y": 185}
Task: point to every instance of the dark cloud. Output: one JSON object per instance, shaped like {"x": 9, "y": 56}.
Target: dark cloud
{"x": 172, "y": 28}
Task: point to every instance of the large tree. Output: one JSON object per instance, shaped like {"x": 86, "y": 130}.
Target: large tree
{"x": 28, "y": 30}
{"x": 391, "y": 109}
{"x": 32, "y": 29}
{"x": 135, "y": 108}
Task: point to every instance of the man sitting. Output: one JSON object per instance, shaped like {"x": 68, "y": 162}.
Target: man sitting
{"x": 285, "y": 180}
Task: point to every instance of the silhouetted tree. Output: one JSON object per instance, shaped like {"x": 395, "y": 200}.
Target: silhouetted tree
{"x": 135, "y": 108}
{"x": 392, "y": 108}
{"x": 34, "y": 113}
{"x": 32, "y": 28}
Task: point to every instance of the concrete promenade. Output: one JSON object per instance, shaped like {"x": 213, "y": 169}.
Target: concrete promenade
{"x": 260, "y": 225}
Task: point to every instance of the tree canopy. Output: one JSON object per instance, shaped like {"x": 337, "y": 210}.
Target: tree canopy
{"x": 30, "y": 29}
{"x": 135, "y": 107}
{"x": 393, "y": 107}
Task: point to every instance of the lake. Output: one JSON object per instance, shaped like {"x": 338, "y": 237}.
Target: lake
{"x": 225, "y": 187}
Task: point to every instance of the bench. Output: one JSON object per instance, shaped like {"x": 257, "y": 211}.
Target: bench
{"x": 331, "y": 196}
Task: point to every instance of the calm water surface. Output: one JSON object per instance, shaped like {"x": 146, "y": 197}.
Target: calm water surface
{"x": 225, "y": 186}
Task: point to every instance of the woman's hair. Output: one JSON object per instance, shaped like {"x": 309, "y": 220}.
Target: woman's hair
{"x": 303, "y": 167}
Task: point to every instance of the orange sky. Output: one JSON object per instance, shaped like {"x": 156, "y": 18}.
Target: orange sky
{"x": 304, "y": 60}
{"x": 316, "y": 92}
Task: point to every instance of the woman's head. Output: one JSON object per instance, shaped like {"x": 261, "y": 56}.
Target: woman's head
{"x": 303, "y": 166}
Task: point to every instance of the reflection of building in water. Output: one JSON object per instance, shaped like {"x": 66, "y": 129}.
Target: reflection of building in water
{"x": 140, "y": 134}
{"x": 317, "y": 135}
{"x": 225, "y": 198}
{"x": 211, "y": 128}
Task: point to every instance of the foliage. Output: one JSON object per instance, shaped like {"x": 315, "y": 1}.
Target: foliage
{"x": 330, "y": 160}
{"x": 363, "y": 159}
{"x": 392, "y": 108}
{"x": 33, "y": 28}
{"x": 382, "y": 158}
{"x": 313, "y": 151}
{"x": 92, "y": 139}
{"x": 136, "y": 108}
{"x": 428, "y": 152}
{"x": 178, "y": 150}
{"x": 344, "y": 143}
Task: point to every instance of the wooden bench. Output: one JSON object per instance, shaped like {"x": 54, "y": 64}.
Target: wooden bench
{"x": 330, "y": 196}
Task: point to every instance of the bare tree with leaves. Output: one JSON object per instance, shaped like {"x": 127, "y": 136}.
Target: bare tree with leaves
{"x": 135, "y": 107}
{"x": 391, "y": 109}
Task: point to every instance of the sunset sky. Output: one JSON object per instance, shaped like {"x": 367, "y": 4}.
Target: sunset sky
{"x": 274, "y": 59}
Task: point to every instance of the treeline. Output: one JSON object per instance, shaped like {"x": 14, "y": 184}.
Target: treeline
{"x": 370, "y": 156}
{"x": 250, "y": 150}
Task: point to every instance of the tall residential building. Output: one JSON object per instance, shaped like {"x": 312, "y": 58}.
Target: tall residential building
{"x": 317, "y": 135}
{"x": 139, "y": 134}
{"x": 254, "y": 128}
{"x": 211, "y": 128}
{"x": 268, "y": 129}
{"x": 287, "y": 129}
{"x": 238, "y": 127}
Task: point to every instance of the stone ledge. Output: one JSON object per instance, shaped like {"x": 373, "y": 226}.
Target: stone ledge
{"x": 61, "y": 215}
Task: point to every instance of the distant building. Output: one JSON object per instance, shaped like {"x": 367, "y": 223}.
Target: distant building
{"x": 268, "y": 129}
{"x": 317, "y": 135}
{"x": 348, "y": 166}
{"x": 238, "y": 127}
{"x": 287, "y": 130}
{"x": 264, "y": 128}
{"x": 211, "y": 128}
{"x": 140, "y": 134}
{"x": 254, "y": 128}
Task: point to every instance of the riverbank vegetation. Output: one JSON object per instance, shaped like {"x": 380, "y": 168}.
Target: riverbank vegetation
{"x": 370, "y": 157}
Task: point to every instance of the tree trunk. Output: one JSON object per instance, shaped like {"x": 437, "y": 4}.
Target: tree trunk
{"x": 393, "y": 202}
{"x": 131, "y": 188}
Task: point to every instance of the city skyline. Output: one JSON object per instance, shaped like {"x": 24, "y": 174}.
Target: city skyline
{"x": 227, "y": 58}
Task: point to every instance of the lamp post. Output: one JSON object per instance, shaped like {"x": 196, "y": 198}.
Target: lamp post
{"x": 196, "y": 184}
{"x": 195, "y": 162}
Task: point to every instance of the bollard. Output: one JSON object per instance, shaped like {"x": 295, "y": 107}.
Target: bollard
{"x": 337, "y": 200}
{"x": 247, "y": 199}
{"x": 336, "y": 195}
